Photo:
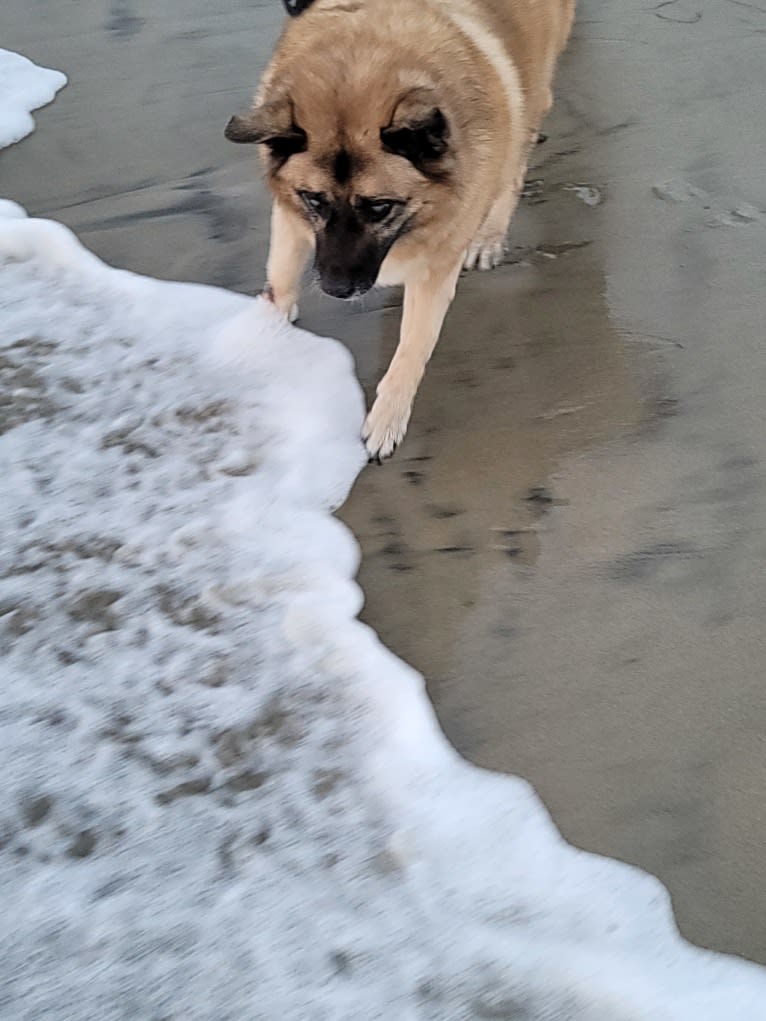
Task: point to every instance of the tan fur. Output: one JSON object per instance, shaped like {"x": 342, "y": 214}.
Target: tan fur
{"x": 345, "y": 69}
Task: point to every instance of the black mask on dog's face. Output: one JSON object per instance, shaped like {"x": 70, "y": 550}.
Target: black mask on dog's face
{"x": 353, "y": 236}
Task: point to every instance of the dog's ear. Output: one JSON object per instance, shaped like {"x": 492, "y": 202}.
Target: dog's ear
{"x": 419, "y": 131}
{"x": 272, "y": 124}
{"x": 296, "y": 7}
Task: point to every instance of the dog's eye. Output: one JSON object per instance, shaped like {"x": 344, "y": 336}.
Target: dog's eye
{"x": 377, "y": 211}
{"x": 314, "y": 202}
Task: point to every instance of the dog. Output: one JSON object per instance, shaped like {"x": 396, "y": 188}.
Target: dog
{"x": 395, "y": 136}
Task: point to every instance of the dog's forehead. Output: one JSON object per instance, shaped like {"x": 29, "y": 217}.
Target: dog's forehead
{"x": 348, "y": 172}
{"x": 338, "y": 112}
{"x": 343, "y": 125}
{"x": 339, "y": 162}
{"x": 330, "y": 132}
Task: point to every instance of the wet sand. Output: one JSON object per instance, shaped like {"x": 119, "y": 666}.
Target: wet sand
{"x": 570, "y": 544}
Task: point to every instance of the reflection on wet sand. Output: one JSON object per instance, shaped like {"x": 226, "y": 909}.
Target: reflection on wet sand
{"x": 529, "y": 370}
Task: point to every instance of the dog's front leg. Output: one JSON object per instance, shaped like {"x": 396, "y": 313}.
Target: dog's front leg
{"x": 426, "y": 302}
{"x": 292, "y": 243}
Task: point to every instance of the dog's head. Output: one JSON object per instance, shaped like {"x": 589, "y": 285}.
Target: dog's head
{"x": 362, "y": 165}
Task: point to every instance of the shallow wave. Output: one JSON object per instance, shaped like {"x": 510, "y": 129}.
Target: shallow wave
{"x": 222, "y": 797}
{"x": 24, "y": 87}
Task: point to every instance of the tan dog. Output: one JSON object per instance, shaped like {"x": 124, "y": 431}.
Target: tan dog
{"x": 395, "y": 135}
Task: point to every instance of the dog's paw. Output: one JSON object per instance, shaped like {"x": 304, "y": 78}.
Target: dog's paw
{"x": 386, "y": 425}
{"x": 485, "y": 253}
{"x": 288, "y": 307}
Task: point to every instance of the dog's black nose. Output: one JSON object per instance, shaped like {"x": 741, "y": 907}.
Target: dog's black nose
{"x": 339, "y": 288}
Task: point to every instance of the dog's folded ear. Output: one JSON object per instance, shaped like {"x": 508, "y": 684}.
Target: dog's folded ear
{"x": 418, "y": 131}
{"x": 271, "y": 124}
